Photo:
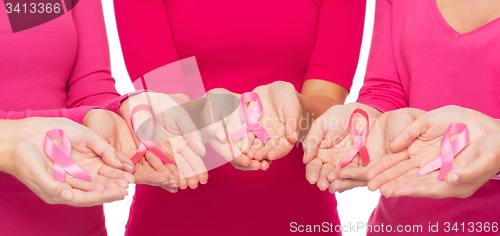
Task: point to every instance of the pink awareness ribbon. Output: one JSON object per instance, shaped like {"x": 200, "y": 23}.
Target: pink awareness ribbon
{"x": 359, "y": 141}
{"x": 448, "y": 151}
{"x": 148, "y": 133}
{"x": 60, "y": 155}
{"x": 251, "y": 118}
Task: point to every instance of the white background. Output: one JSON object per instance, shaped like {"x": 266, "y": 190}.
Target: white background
{"x": 353, "y": 206}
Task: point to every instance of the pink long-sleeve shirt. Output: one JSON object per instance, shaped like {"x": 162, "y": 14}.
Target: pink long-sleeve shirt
{"x": 57, "y": 69}
{"x": 418, "y": 60}
{"x": 240, "y": 45}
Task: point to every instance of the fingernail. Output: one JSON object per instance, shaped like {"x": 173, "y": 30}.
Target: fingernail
{"x": 194, "y": 187}
{"x": 118, "y": 162}
{"x": 171, "y": 190}
{"x": 253, "y": 168}
{"x": 204, "y": 182}
{"x": 453, "y": 178}
{"x": 127, "y": 168}
{"x": 173, "y": 185}
{"x": 67, "y": 195}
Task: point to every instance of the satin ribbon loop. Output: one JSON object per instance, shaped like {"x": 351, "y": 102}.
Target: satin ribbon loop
{"x": 60, "y": 155}
{"x": 359, "y": 141}
{"x": 146, "y": 136}
{"x": 448, "y": 151}
{"x": 251, "y": 118}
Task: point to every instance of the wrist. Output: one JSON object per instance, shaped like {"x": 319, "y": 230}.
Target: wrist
{"x": 6, "y": 155}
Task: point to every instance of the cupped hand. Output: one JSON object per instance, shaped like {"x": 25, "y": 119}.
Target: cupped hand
{"x": 382, "y": 132}
{"x": 175, "y": 134}
{"x": 328, "y": 141}
{"x": 113, "y": 129}
{"x": 281, "y": 115}
{"x": 88, "y": 150}
{"x": 420, "y": 144}
{"x": 221, "y": 118}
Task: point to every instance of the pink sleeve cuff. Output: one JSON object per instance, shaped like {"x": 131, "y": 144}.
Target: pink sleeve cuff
{"x": 114, "y": 105}
{"x": 74, "y": 114}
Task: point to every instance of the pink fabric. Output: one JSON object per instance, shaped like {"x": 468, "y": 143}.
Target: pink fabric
{"x": 240, "y": 45}
{"x": 359, "y": 140}
{"x": 418, "y": 60}
{"x": 61, "y": 64}
{"x": 60, "y": 155}
{"x": 251, "y": 118}
{"x": 74, "y": 114}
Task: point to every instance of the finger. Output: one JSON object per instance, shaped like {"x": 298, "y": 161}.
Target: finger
{"x": 128, "y": 165}
{"x": 485, "y": 164}
{"x": 102, "y": 149}
{"x": 385, "y": 163}
{"x": 54, "y": 191}
{"x": 341, "y": 185}
{"x": 323, "y": 182}
{"x": 246, "y": 143}
{"x": 242, "y": 160}
{"x": 256, "y": 165}
{"x": 193, "y": 138}
{"x": 392, "y": 173}
{"x": 398, "y": 121}
{"x": 171, "y": 189}
{"x": 158, "y": 165}
{"x": 84, "y": 185}
{"x": 281, "y": 149}
{"x": 291, "y": 116}
{"x": 408, "y": 135}
{"x": 261, "y": 154}
{"x": 265, "y": 164}
{"x": 82, "y": 198}
{"x": 314, "y": 138}
{"x": 313, "y": 169}
{"x": 256, "y": 146}
{"x": 196, "y": 163}
{"x": 422, "y": 186}
{"x": 109, "y": 183}
{"x": 175, "y": 175}
{"x": 112, "y": 173}
{"x": 150, "y": 176}
{"x": 186, "y": 172}
{"x": 354, "y": 173}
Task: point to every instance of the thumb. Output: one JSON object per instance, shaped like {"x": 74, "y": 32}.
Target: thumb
{"x": 103, "y": 149}
{"x": 291, "y": 116}
{"x": 485, "y": 161}
{"x": 408, "y": 135}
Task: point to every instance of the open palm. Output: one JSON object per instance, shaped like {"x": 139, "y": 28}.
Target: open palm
{"x": 88, "y": 151}
{"x": 175, "y": 135}
{"x": 328, "y": 142}
{"x": 280, "y": 118}
{"x": 419, "y": 144}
